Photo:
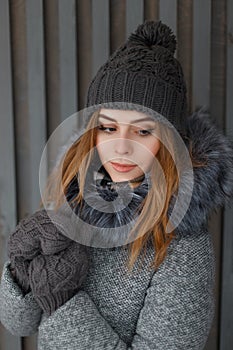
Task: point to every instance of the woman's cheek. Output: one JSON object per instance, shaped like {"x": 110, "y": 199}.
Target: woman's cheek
{"x": 154, "y": 148}
{"x": 103, "y": 151}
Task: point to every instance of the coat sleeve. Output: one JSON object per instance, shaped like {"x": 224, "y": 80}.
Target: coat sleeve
{"x": 19, "y": 313}
{"x": 177, "y": 313}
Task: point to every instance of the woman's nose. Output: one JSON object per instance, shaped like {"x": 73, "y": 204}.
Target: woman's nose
{"x": 123, "y": 146}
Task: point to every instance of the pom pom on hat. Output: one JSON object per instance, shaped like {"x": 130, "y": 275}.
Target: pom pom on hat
{"x": 153, "y": 33}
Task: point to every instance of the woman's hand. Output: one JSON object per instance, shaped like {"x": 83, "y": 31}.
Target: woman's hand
{"x": 33, "y": 235}
{"x": 38, "y": 243}
{"x": 54, "y": 279}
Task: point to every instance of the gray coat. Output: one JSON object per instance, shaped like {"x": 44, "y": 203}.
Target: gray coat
{"x": 170, "y": 309}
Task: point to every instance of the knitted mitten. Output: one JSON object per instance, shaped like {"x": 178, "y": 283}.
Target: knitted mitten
{"x": 33, "y": 235}
{"x": 54, "y": 279}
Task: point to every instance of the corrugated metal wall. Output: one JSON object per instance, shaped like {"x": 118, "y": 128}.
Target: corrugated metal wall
{"x": 49, "y": 51}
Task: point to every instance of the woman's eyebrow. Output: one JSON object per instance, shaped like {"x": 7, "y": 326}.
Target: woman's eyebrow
{"x": 130, "y": 122}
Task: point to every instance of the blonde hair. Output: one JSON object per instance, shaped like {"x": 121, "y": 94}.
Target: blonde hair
{"x": 150, "y": 223}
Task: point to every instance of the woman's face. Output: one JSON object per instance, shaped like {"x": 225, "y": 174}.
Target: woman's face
{"x": 126, "y": 143}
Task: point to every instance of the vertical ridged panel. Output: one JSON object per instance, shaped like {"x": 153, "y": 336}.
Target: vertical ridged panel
{"x": 117, "y": 23}
{"x": 7, "y": 157}
{"x": 226, "y": 316}
{"x": 185, "y": 42}
{"x": 151, "y": 9}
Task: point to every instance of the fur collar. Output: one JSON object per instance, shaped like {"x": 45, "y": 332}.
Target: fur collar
{"x": 109, "y": 211}
{"x": 213, "y": 184}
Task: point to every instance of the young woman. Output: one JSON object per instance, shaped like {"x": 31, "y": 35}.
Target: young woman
{"x": 124, "y": 260}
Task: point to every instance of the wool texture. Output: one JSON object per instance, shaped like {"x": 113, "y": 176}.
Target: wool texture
{"x": 54, "y": 279}
{"x": 144, "y": 71}
{"x": 46, "y": 261}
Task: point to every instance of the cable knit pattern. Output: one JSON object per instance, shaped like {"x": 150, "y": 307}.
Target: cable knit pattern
{"x": 54, "y": 279}
{"x": 45, "y": 261}
{"x": 37, "y": 234}
{"x": 34, "y": 235}
{"x": 144, "y": 71}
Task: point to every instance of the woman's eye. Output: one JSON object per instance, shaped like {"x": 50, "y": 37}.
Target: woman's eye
{"x": 106, "y": 129}
{"x": 145, "y": 132}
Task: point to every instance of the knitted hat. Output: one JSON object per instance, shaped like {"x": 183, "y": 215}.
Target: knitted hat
{"x": 144, "y": 71}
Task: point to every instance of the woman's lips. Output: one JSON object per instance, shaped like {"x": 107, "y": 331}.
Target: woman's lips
{"x": 123, "y": 168}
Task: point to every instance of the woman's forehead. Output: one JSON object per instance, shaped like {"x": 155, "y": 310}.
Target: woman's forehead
{"x": 124, "y": 116}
